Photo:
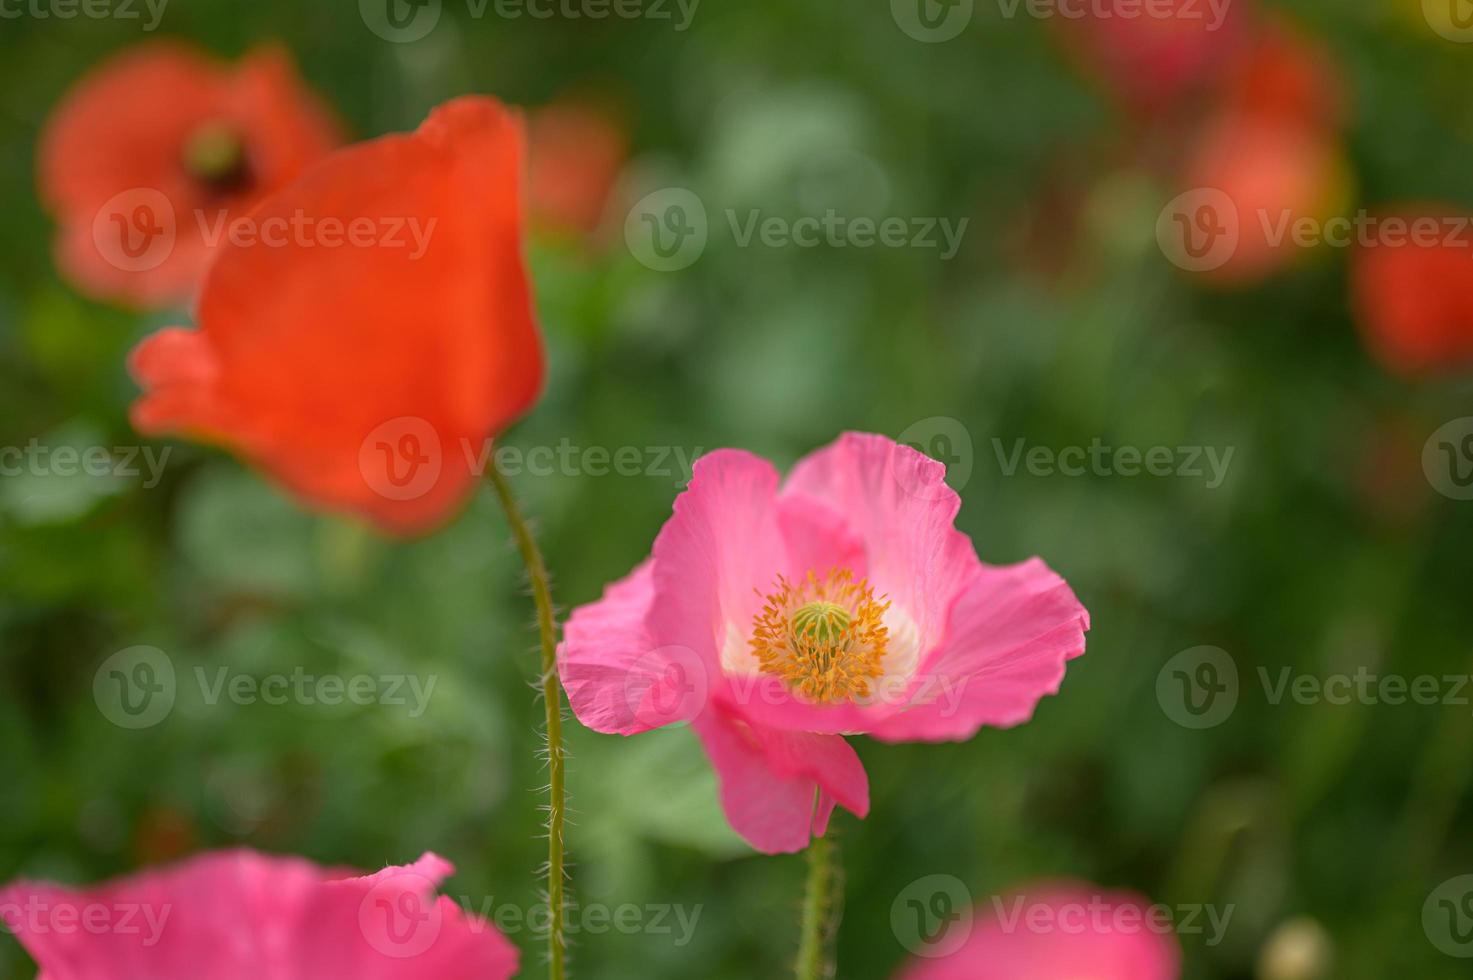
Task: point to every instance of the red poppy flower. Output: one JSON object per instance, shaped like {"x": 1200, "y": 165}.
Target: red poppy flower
{"x": 576, "y": 152}
{"x": 375, "y": 328}
{"x": 1412, "y": 291}
{"x": 147, "y": 159}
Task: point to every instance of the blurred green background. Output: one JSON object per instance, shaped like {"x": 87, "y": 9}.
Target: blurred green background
{"x": 1059, "y": 322}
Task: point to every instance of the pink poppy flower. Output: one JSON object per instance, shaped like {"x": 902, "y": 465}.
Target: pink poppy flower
{"x": 777, "y": 619}
{"x": 1056, "y": 931}
{"x": 239, "y": 915}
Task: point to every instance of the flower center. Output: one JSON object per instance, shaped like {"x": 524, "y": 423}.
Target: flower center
{"x": 215, "y": 156}
{"x": 823, "y": 636}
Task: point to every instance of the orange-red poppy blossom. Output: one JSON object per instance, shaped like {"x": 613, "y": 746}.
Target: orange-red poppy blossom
{"x": 374, "y": 330}
{"x": 149, "y": 158}
{"x": 1412, "y": 288}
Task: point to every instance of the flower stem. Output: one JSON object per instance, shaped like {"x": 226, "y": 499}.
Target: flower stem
{"x": 552, "y": 698}
{"x": 820, "y": 910}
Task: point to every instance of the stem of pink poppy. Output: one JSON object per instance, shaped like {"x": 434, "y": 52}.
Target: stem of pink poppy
{"x": 552, "y": 697}
{"x": 821, "y": 905}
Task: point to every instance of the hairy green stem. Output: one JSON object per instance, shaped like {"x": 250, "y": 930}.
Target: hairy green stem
{"x": 820, "y": 910}
{"x": 552, "y": 698}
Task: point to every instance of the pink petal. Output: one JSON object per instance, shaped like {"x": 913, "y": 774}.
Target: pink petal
{"x": 897, "y": 502}
{"x": 239, "y": 915}
{"x": 722, "y": 544}
{"x": 618, "y": 681}
{"x": 1058, "y": 931}
{"x": 769, "y": 779}
{"x": 1011, "y": 633}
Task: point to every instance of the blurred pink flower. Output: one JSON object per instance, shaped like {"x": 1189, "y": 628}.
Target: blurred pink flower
{"x": 240, "y": 915}
{"x": 778, "y": 619}
{"x": 1059, "y": 931}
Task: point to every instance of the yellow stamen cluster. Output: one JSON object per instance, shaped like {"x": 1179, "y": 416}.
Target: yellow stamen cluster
{"x": 823, "y": 636}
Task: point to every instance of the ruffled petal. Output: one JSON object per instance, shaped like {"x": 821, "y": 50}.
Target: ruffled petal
{"x": 770, "y": 780}
{"x": 897, "y": 502}
{"x": 239, "y": 915}
{"x": 618, "y": 680}
{"x": 1011, "y": 633}
{"x": 722, "y": 545}
{"x": 369, "y": 374}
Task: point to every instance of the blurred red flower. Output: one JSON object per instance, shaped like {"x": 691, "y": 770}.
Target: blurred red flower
{"x": 576, "y": 152}
{"x": 377, "y": 329}
{"x": 1153, "y": 57}
{"x": 1412, "y": 288}
{"x": 148, "y": 157}
{"x": 1280, "y": 177}
{"x": 1272, "y": 147}
{"x": 1287, "y": 76}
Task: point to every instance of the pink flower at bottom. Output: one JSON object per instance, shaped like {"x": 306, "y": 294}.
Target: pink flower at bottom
{"x": 240, "y": 915}
{"x": 777, "y": 619}
{"x": 1057, "y": 931}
